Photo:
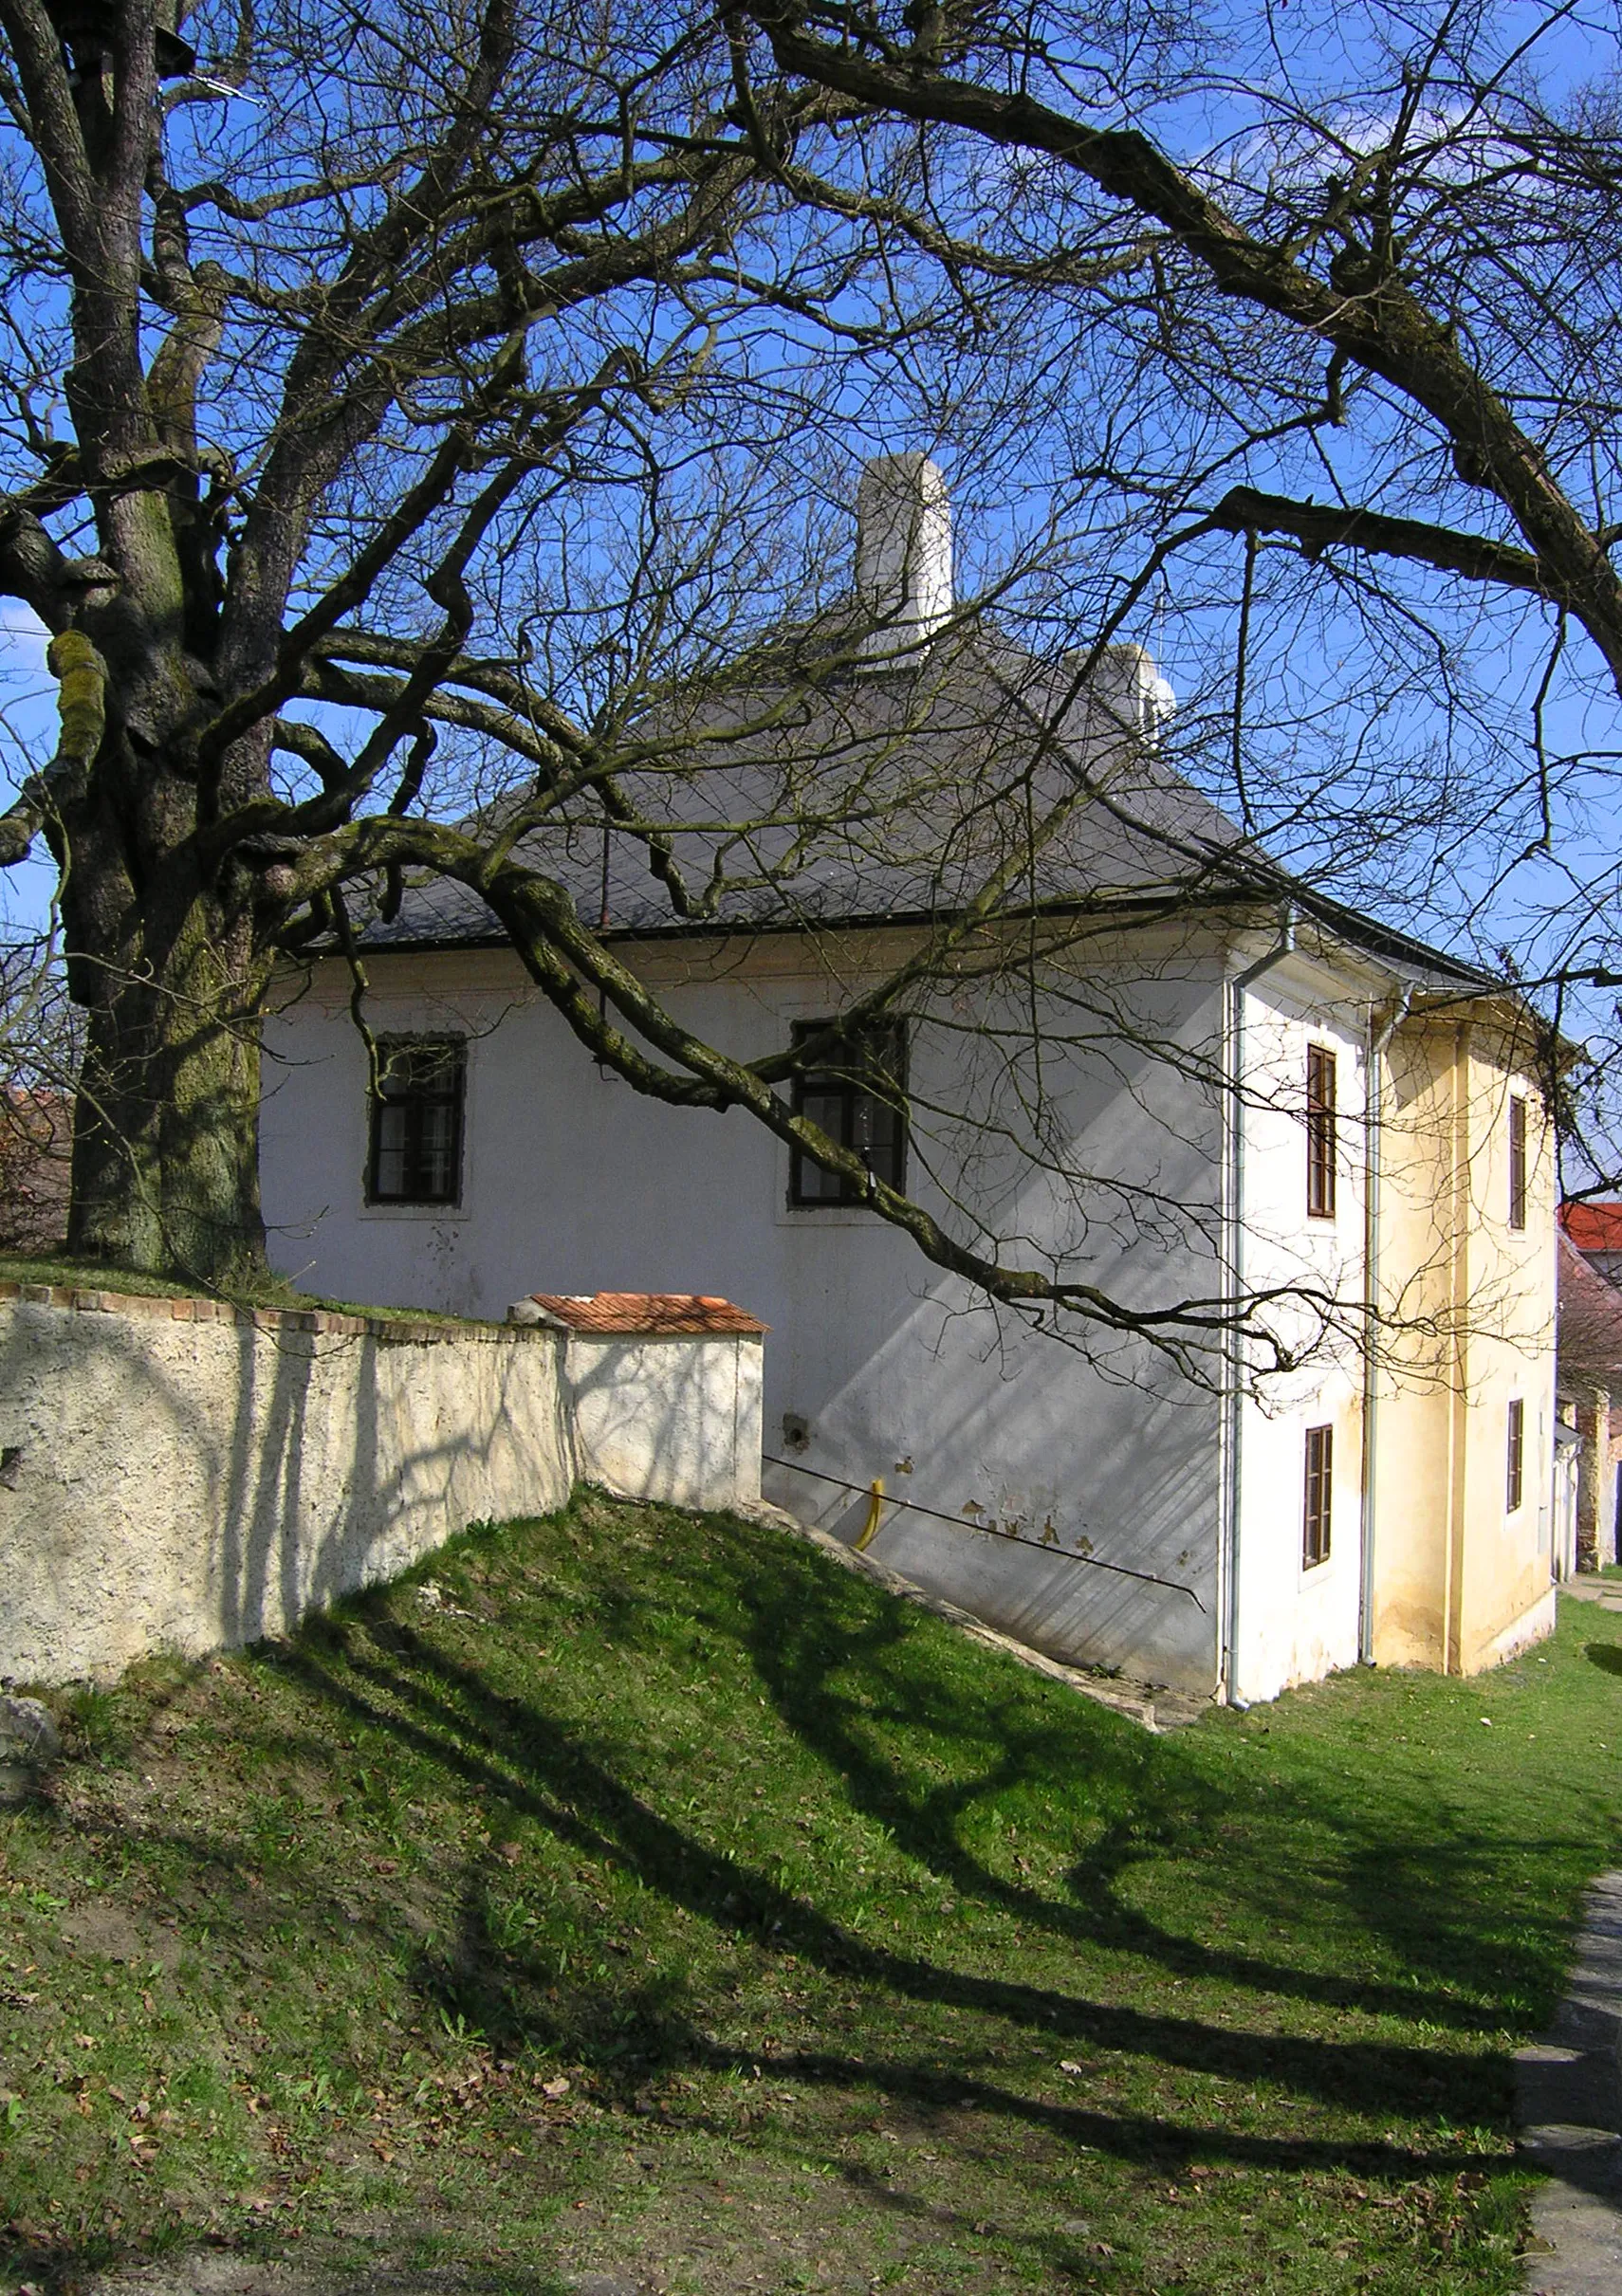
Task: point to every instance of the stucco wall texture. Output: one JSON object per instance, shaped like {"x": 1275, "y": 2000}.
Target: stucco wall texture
{"x": 672, "y": 1420}
{"x": 181, "y": 1475}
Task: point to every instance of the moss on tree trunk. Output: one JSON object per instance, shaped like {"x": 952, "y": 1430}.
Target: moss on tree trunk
{"x": 166, "y": 1127}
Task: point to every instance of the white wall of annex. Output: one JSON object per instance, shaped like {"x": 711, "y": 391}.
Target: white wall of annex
{"x": 1293, "y": 1624}
{"x": 574, "y": 1182}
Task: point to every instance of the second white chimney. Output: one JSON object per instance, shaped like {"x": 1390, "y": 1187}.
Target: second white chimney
{"x": 903, "y": 554}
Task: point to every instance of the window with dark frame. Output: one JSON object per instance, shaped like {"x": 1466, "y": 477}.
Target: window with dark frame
{"x": 859, "y": 1100}
{"x": 414, "y": 1151}
{"x": 1319, "y": 1132}
{"x": 1517, "y": 1161}
{"x": 1319, "y": 1496}
{"x": 1515, "y": 1463}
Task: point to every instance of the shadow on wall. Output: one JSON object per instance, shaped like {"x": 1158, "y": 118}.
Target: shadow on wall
{"x": 675, "y": 1421}
{"x": 1149, "y": 1507}
{"x": 196, "y": 1480}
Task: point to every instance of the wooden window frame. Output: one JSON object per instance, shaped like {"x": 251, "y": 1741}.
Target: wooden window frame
{"x": 1317, "y": 1497}
{"x": 417, "y": 1099}
{"x": 878, "y": 1053}
{"x": 1518, "y": 1161}
{"x": 1321, "y": 1141}
{"x": 1515, "y": 1456}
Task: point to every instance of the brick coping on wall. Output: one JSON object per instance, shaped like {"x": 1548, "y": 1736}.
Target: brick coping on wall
{"x": 639, "y": 1316}
{"x": 159, "y": 1307}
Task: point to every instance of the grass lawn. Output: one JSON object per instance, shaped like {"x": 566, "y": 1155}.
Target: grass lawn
{"x": 637, "y": 1894}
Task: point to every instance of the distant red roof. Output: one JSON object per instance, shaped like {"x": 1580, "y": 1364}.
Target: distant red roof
{"x": 649, "y": 1314}
{"x": 1590, "y": 1351}
{"x": 1594, "y": 1227}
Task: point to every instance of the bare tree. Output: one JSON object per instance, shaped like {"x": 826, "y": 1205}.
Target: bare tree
{"x": 1329, "y": 299}
{"x": 456, "y": 406}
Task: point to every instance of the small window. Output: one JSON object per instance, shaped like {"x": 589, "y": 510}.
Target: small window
{"x": 1516, "y": 1461}
{"x": 1319, "y": 1132}
{"x": 1516, "y": 1162}
{"x": 415, "y": 1150}
{"x": 861, "y": 1101}
{"x": 1319, "y": 1496}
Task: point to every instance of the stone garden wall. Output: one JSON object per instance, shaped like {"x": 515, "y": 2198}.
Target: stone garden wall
{"x": 184, "y": 1474}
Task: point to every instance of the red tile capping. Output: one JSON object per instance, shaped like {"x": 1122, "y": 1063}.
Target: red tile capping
{"x": 649, "y": 1314}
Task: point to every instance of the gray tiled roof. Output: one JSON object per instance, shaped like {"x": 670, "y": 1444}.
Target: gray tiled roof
{"x": 878, "y": 798}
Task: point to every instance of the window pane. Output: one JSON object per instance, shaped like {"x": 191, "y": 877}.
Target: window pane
{"x": 1317, "y": 1495}
{"x": 825, "y": 1107}
{"x": 886, "y": 1134}
{"x": 875, "y": 1128}
{"x": 416, "y": 1122}
{"x": 1515, "y": 1460}
{"x": 389, "y": 1166}
{"x": 1517, "y": 1163}
{"x": 436, "y": 1151}
{"x": 1320, "y": 1133}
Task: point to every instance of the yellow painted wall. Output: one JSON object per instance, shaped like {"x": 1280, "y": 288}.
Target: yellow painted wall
{"x": 1459, "y": 1580}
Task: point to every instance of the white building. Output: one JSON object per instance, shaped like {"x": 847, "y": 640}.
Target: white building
{"x": 1061, "y": 1093}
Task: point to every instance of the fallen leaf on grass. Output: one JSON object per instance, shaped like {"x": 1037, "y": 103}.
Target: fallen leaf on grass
{"x": 560, "y": 2088}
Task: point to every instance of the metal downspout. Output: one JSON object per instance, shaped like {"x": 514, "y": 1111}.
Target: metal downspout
{"x": 1374, "y": 1114}
{"x": 1238, "y": 987}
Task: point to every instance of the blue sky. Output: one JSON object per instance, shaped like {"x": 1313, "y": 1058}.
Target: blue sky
{"x": 1331, "y": 720}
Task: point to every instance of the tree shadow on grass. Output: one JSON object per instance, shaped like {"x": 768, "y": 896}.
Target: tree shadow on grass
{"x": 530, "y": 1765}
{"x": 800, "y": 1633}
{"x": 1606, "y": 1656}
{"x": 534, "y": 1766}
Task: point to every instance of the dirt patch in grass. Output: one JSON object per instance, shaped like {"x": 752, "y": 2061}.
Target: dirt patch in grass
{"x": 636, "y": 1895}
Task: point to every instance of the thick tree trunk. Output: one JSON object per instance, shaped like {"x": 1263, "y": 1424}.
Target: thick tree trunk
{"x": 166, "y": 1127}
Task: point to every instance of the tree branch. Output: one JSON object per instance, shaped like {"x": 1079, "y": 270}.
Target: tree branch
{"x": 1322, "y": 526}
{"x": 1364, "y": 310}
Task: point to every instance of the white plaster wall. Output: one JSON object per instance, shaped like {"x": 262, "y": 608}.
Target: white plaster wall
{"x": 181, "y": 1475}
{"x": 672, "y": 1419}
{"x": 1293, "y": 1623}
{"x": 192, "y": 1485}
{"x": 574, "y": 1183}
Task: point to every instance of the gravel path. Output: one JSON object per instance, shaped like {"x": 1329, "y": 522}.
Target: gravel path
{"x": 1569, "y": 2114}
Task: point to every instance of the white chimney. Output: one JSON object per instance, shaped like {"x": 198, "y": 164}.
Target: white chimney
{"x": 1133, "y": 692}
{"x": 903, "y": 554}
